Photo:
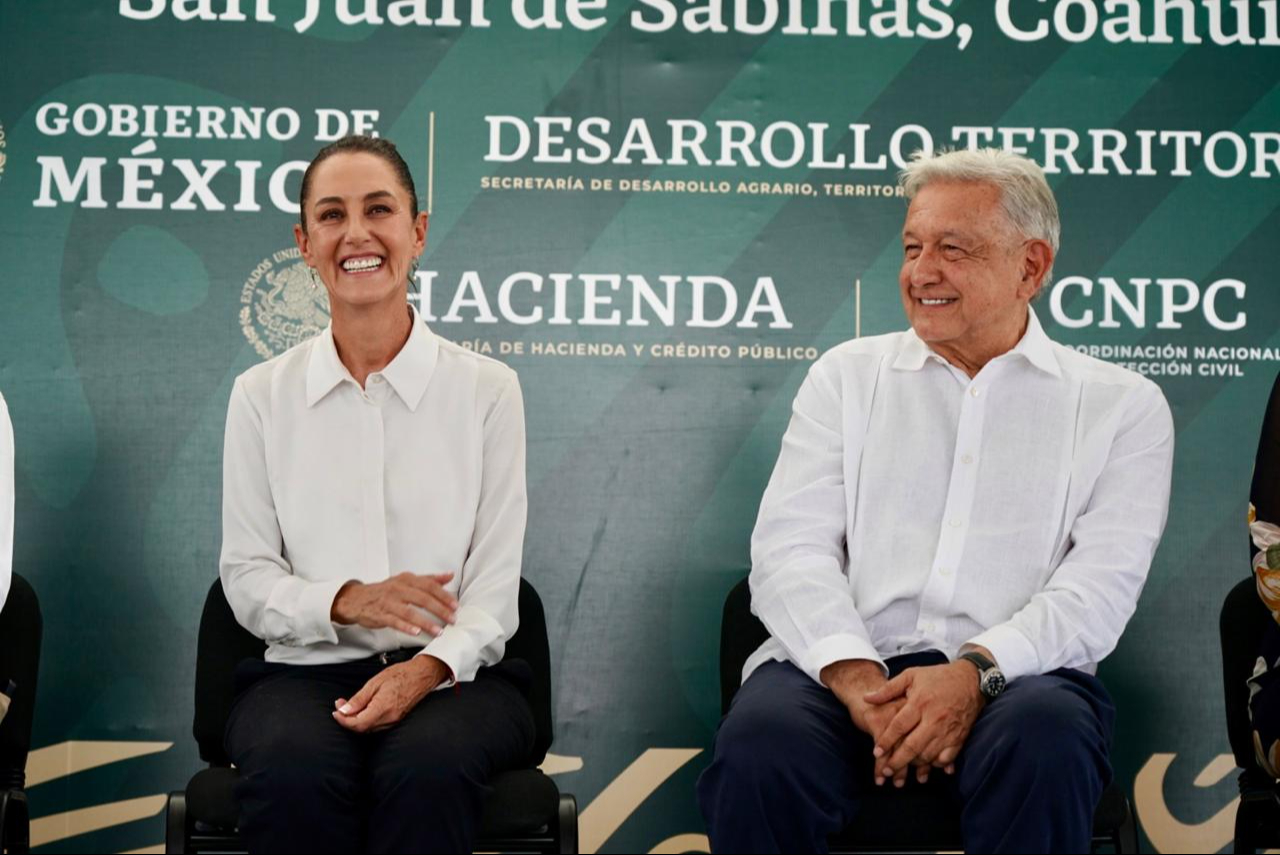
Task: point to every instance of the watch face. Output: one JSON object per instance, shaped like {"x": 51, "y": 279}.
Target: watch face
{"x": 992, "y": 683}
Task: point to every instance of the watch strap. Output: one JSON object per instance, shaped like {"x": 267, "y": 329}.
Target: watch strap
{"x": 984, "y": 664}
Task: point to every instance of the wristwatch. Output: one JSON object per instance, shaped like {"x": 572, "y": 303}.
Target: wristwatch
{"x": 991, "y": 680}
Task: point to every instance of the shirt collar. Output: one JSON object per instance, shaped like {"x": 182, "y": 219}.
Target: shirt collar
{"x": 1035, "y": 346}
{"x": 408, "y": 373}
{"x": 413, "y": 366}
{"x": 914, "y": 352}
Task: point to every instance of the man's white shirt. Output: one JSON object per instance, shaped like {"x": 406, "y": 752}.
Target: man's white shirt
{"x": 423, "y": 471}
{"x": 914, "y": 508}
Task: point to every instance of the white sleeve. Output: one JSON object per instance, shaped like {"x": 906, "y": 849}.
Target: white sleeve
{"x": 798, "y": 585}
{"x": 488, "y": 595}
{"x": 1078, "y": 618}
{"x": 265, "y": 595}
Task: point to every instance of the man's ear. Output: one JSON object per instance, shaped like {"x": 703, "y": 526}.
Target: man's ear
{"x": 1037, "y": 258}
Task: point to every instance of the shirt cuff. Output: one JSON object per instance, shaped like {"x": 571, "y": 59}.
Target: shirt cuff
{"x": 834, "y": 648}
{"x": 453, "y": 647}
{"x": 1015, "y": 655}
{"x": 315, "y": 605}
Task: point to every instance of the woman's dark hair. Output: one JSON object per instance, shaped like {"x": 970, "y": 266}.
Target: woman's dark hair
{"x": 377, "y": 146}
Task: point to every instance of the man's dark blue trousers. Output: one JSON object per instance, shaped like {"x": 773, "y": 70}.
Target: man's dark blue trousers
{"x": 790, "y": 767}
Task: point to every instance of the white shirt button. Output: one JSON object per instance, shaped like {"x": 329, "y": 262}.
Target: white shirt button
{"x": 377, "y": 378}
{"x": 975, "y": 391}
{"x": 956, "y": 523}
{"x": 968, "y": 458}
{"x": 944, "y": 571}
{"x": 927, "y": 626}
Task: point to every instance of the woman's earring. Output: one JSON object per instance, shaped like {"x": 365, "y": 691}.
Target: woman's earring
{"x": 315, "y": 283}
{"x": 413, "y": 272}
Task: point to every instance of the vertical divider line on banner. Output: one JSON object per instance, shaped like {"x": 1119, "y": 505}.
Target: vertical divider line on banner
{"x": 857, "y": 308}
{"x": 431, "y": 159}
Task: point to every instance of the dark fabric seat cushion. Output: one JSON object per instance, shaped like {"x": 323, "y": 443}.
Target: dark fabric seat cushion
{"x": 211, "y": 799}
{"x": 522, "y": 801}
{"x": 1112, "y": 812}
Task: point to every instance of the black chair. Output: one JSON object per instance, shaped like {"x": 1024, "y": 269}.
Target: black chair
{"x": 525, "y": 812}
{"x": 1243, "y": 622}
{"x": 1244, "y": 618}
{"x": 915, "y": 819}
{"x": 20, "y": 631}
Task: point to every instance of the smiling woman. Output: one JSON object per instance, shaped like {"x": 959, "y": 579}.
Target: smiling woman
{"x": 373, "y": 497}
{"x": 361, "y": 233}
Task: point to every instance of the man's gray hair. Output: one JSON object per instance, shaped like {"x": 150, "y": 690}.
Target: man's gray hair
{"x": 1024, "y": 193}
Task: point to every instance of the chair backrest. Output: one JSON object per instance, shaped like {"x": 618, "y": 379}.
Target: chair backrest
{"x": 741, "y": 633}
{"x": 530, "y": 644}
{"x": 20, "y": 631}
{"x": 223, "y": 643}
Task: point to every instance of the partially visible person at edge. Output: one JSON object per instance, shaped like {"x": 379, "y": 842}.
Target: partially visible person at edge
{"x": 957, "y": 530}
{"x": 373, "y": 519}
{"x": 1264, "y": 531}
{"x": 6, "y": 503}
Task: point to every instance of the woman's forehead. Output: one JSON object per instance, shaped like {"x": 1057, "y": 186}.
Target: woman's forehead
{"x": 354, "y": 174}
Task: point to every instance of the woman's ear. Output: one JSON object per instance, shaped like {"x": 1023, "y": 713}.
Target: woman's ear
{"x": 304, "y": 243}
{"x": 420, "y": 226}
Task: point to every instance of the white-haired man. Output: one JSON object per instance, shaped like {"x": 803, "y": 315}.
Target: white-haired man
{"x": 957, "y": 530}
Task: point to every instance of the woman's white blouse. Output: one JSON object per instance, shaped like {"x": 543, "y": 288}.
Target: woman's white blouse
{"x": 422, "y": 471}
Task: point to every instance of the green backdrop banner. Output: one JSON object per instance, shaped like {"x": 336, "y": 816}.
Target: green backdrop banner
{"x": 659, "y": 213}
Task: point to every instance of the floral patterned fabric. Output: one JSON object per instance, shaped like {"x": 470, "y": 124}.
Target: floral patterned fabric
{"x": 1264, "y": 696}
